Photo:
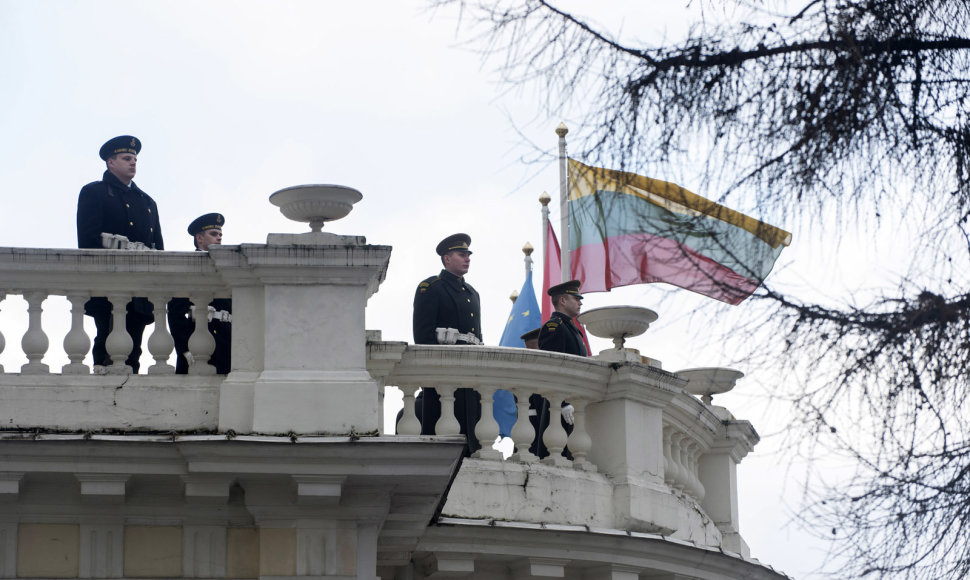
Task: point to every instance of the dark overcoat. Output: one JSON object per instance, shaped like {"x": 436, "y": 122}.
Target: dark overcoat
{"x": 447, "y": 301}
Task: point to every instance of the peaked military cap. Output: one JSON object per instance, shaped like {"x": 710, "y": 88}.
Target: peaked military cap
{"x": 571, "y": 287}
{"x": 209, "y": 221}
{"x": 531, "y": 335}
{"x": 454, "y": 242}
{"x": 121, "y": 144}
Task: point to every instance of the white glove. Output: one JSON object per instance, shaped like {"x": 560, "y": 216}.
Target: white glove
{"x": 212, "y": 312}
{"x": 191, "y": 360}
{"x": 446, "y": 335}
{"x": 567, "y": 414}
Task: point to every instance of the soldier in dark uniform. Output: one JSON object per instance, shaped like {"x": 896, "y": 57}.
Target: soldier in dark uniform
{"x": 206, "y": 231}
{"x": 538, "y": 405}
{"x": 115, "y": 205}
{"x": 449, "y": 303}
{"x": 560, "y": 334}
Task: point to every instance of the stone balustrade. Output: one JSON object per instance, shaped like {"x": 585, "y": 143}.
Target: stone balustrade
{"x": 38, "y": 274}
{"x": 647, "y": 456}
{"x": 650, "y": 450}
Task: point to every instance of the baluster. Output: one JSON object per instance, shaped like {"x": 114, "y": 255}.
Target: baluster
{"x": 679, "y": 472}
{"x": 486, "y": 430}
{"x": 522, "y": 432}
{"x": 668, "y": 461}
{"x": 119, "y": 343}
{"x": 160, "y": 343}
{"x": 77, "y": 343}
{"x": 555, "y": 435}
{"x": 447, "y": 424}
{"x": 579, "y": 441}
{"x": 695, "y": 481}
{"x": 201, "y": 344}
{"x": 3, "y": 341}
{"x": 409, "y": 424}
{"x": 35, "y": 341}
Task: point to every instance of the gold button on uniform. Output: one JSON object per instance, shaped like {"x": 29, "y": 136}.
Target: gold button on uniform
{"x": 131, "y": 223}
{"x": 127, "y": 205}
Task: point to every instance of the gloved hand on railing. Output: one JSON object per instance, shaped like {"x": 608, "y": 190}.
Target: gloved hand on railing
{"x": 568, "y": 412}
{"x": 189, "y": 358}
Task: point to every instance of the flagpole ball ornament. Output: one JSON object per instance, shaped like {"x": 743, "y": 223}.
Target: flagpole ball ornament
{"x": 562, "y": 130}
{"x": 120, "y": 144}
{"x": 617, "y": 323}
{"x": 454, "y": 242}
{"x": 706, "y": 382}
{"x": 315, "y": 204}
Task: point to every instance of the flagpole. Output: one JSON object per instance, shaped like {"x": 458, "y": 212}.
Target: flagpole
{"x": 544, "y": 199}
{"x": 527, "y": 249}
{"x": 561, "y": 130}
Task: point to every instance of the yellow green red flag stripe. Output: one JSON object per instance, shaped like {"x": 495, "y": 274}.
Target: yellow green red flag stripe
{"x": 629, "y": 229}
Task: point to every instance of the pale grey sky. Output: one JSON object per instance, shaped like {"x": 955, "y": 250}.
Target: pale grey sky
{"x": 234, "y": 100}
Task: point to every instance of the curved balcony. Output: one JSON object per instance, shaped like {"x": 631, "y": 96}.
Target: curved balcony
{"x": 290, "y": 438}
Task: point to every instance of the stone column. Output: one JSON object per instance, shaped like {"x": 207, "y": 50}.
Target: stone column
{"x": 718, "y": 472}
{"x": 299, "y": 346}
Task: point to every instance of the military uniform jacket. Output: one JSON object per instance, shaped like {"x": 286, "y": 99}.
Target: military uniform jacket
{"x": 182, "y": 326}
{"x": 560, "y": 334}
{"x": 445, "y": 301}
{"x": 110, "y": 206}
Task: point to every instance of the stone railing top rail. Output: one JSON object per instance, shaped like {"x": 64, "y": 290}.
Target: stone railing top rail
{"x": 401, "y": 364}
{"x": 62, "y": 271}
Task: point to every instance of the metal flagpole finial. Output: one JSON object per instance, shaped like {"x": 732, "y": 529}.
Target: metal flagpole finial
{"x": 527, "y": 249}
{"x": 544, "y": 199}
{"x": 561, "y": 130}
{"x": 514, "y": 296}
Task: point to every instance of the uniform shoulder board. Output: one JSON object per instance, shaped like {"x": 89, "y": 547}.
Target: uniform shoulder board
{"x": 552, "y": 325}
{"x": 424, "y": 285}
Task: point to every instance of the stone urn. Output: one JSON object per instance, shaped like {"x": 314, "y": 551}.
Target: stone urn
{"x": 618, "y": 323}
{"x": 315, "y": 204}
{"x": 709, "y": 381}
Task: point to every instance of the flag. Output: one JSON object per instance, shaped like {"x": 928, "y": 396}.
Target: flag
{"x": 551, "y": 270}
{"x": 524, "y": 317}
{"x": 552, "y": 275}
{"x": 629, "y": 229}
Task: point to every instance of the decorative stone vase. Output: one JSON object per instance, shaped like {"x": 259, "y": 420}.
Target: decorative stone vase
{"x": 618, "y": 323}
{"x": 315, "y": 204}
{"x": 709, "y": 381}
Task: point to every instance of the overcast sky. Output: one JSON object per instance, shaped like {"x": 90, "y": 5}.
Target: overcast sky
{"x": 234, "y": 100}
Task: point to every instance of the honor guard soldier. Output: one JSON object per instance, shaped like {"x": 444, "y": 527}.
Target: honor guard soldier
{"x": 115, "y": 205}
{"x": 206, "y": 231}
{"x": 447, "y": 311}
{"x": 560, "y": 334}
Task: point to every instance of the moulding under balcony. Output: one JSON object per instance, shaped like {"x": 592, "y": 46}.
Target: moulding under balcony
{"x": 500, "y": 543}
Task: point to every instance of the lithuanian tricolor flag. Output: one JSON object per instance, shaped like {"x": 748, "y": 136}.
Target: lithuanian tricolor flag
{"x": 629, "y": 229}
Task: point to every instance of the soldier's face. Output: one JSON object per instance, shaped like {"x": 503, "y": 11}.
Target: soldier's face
{"x": 210, "y": 237}
{"x": 122, "y": 166}
{"x": 457, "y": 262}
{"x": 570, "y": 305}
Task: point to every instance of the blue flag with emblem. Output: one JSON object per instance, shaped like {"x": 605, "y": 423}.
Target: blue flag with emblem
{"x": 525, "y": 316}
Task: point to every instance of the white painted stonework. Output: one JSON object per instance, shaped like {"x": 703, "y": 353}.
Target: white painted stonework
{"x": 280, "y": 468}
